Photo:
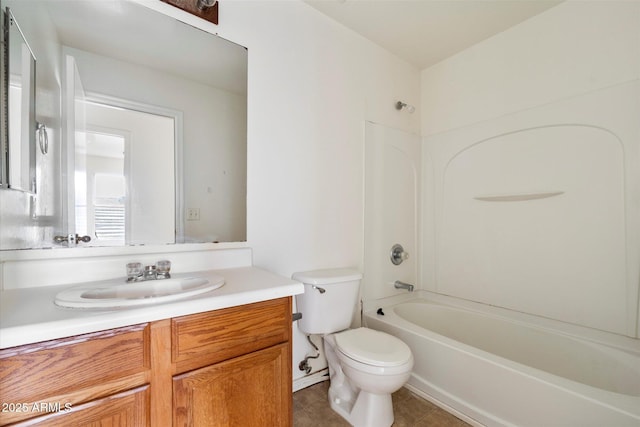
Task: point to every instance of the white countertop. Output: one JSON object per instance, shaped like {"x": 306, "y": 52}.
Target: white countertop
{"x": 29, "y": 315}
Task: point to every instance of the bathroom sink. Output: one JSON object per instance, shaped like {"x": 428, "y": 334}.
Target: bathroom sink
{"x": 116, "y": 294}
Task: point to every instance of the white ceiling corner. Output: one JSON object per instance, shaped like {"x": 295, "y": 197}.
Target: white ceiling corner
{"x": 424, "y": 32}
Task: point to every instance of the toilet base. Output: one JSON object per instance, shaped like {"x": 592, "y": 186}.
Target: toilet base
{"x": 369, "y": 409}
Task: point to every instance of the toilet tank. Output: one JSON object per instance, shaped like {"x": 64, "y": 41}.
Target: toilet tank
{"x": 329, "y": 299}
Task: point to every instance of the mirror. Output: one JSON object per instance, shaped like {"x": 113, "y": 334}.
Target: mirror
{"x": 152, "y": 125}
{"x": 17, "y": 169}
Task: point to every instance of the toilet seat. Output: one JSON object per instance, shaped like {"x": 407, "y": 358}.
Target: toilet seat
{"x": 373, "y": 347}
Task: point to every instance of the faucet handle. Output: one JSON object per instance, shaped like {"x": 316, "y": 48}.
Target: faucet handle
{"x": 163, "y": 267}
{"x": 134, "y": 270}
{"x": 72, "y": 239}
{"x": 398, "y": 254}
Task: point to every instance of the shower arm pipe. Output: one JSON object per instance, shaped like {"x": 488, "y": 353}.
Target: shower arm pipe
{"x": 404, "y": 106}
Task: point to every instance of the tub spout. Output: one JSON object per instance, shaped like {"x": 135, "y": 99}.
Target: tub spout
{"x": 401, "y": 285}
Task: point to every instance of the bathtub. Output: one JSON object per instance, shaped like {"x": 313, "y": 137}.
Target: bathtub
{"x": 498, "y": 370}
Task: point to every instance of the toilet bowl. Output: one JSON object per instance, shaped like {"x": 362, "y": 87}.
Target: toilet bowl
{"x": 365, "y": 366}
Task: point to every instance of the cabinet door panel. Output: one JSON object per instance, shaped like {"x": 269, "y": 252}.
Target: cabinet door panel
{"x": 126, "y": 409}
{"x": 247, "y": 391}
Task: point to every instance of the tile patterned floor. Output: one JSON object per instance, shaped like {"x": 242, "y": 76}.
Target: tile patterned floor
{"x": 311, "y": 409}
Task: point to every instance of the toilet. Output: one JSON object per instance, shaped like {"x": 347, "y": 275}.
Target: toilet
{"x": 365, "y": 365}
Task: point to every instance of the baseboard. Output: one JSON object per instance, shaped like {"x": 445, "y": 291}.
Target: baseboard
{"x": 311, "y": 379}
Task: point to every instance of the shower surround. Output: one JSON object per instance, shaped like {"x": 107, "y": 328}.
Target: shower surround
{"x": 523, "y": 193}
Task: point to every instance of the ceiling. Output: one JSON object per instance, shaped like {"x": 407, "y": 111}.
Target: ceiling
{"x": 424, "y": 32}
{"x": 151, "y": 39}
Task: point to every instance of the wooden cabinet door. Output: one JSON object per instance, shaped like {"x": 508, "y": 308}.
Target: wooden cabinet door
{"x": 250, "y": 390}
{"x": 126, "y": 409}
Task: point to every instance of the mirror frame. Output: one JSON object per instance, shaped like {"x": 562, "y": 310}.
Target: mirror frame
{"x": 4, "y": 107}
{"x": 5, "y": 145}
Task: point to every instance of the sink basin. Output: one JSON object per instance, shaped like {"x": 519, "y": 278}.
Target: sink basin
{"x": 114, "y": 294}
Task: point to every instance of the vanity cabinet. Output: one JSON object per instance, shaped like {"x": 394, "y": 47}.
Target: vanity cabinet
{"x": 220, "y": 368}
{"x": 234, "y": 367}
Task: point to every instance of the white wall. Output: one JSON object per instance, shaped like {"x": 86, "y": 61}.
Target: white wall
{"x": 573, "y": 64}
{"x": 312, "y": 85}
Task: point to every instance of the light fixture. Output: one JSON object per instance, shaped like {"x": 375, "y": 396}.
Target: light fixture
{"x": 205, "y": 4}
{"x": 404, "y": 106}
{"x": 205, "y": 9}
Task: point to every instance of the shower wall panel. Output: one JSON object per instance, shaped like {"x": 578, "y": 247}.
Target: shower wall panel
{"x": 539, "y": 212}
{"x": 392, "y": 190}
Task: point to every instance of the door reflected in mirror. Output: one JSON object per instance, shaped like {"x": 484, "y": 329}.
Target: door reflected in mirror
{"x": 124, "y": 177}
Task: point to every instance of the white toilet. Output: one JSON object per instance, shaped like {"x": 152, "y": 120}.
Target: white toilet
{"x": 365, "y": 366}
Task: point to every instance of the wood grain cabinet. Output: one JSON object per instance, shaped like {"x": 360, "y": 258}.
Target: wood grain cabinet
{"x": 245, "y": 391}
{"x": 228, "y": 367}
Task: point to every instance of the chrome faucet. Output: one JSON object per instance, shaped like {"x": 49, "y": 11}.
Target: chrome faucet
{"x": 150, "y": 272}
{"x": 401, "y": 285}
{"x": 135, "y": 272}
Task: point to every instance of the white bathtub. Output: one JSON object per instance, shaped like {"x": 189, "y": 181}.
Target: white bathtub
{"x": 499, "y": 371}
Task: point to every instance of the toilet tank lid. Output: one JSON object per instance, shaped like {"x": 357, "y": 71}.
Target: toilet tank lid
{"x": 327, "y": 276}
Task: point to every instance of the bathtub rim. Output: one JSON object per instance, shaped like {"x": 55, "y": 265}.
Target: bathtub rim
{"x": 610, "y": 339}
{"x": 627, "y": 404}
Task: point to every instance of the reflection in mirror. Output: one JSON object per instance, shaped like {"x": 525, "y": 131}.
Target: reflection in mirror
{"x": 179, "y": 178}
{"x": 124, "y": 177}
{"x": 104, "y": 217}
{"x": 18, "y": 167}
